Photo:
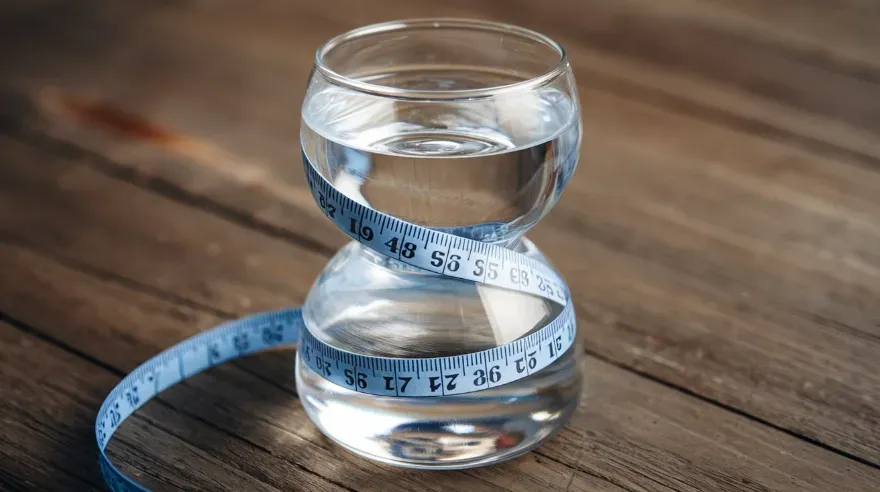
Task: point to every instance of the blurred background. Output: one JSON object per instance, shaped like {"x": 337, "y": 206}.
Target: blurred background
{"x": 697, "y": 113}
{"x": 206, "y": 95}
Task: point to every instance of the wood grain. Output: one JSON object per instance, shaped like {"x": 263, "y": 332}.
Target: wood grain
{"x": 726, "y": 207}
{"x": 843, "y": 30}
{"x": 630, "y": 433}
{"x": 665, "y": 190}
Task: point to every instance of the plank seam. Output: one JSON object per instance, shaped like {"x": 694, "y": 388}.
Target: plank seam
{"x": 832, "y": 61}
{"x": 159, "y": 425}
{"x": 24, "y": 327}
{"x": 157, "y": 185}
{"x": 19, "y": 448}
{"x": 114, "y": 278}
{"x": 577, "y": 468}
{"x": 10, "y": 482}
{"x": 245, "y": 441}
{"x": 729, "y": 408}
{"x": 681, "y": 105}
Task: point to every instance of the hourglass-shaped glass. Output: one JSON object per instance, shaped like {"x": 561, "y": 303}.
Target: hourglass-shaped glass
{"x": 466, "y": 127}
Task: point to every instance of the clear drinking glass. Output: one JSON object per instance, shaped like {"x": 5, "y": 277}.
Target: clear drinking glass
{"x": 468, "y": 127}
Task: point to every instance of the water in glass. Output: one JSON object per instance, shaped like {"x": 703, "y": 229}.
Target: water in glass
{"x": 486, "y": 167}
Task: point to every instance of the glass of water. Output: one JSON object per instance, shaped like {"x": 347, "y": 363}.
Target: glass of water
{"x": 467, "y": 127}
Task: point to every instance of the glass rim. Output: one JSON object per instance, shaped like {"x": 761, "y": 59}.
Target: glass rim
{"x": 438, "y": 23}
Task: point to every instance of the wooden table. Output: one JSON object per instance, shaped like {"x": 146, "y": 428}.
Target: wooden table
{"x": 727, "y": 204}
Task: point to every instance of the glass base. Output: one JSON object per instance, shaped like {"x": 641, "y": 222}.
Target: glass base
{"x": 444, "y": 433}
{"x": 369, "y": 305}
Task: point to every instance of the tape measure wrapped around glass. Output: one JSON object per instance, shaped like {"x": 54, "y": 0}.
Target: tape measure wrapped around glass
{"x": 398, "y": 377}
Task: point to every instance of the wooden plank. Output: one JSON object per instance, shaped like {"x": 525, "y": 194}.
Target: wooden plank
{"x": 588, "y": 483}
{"x": 170, "y": 322}
{"x": 690, "y": 57}
{"x": 843, "y": 29}
{"x": 267, "y": 434}
{"x": 633, "y": 433}
{"x": 799, "y": 276}
{"x": 269, "y": 52}
{"x": 238, "y": 417}
{"x": 738, "y": 269}
{"x": 805, "y": 225}
{"x": 137, "y": 235}
{"x": 710, "y": 277}
{"x": 260, "y": 174}
{"x": 715, "y": 160}
{"x": 94, "y": 186}
{"x": 50, "y": 401}
{"x": 686, "y": 59}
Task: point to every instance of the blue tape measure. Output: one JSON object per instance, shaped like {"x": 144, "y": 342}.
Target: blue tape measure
{"x": 414, "y": 245}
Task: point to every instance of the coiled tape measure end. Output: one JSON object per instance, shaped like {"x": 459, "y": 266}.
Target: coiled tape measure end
{"x": 414, "y": 245}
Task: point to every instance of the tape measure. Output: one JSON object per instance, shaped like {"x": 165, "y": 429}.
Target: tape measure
{"x": 427, "y": 249}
